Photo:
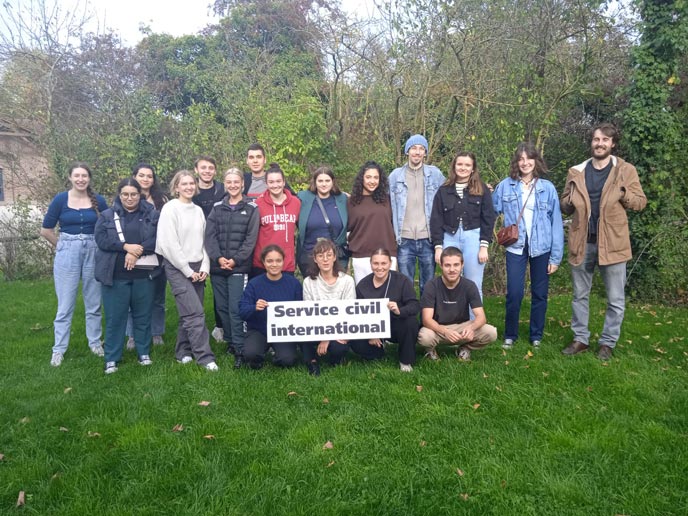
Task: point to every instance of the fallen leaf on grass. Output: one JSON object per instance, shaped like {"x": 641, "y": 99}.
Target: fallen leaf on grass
{"x": 178, "y": 427}
{"x": 545, "y": 374}
{"x": 67, "y": 390}
{"x": 459, "y": 472}
{"x": 328, "y": 445}
{"x": 36, "y": 327}
{"x": 24, "y": 420}
{"x": 503, "y": 353}
{"x": 588, "y": 388}
{"x": 21, "y": 499}
{"x": 485, "y": 375}
{"x": 464, "y": 497}
{"x": 209, "y": 437}
{"x": 503, "y": 484}
{"x": 476, "y": 406}
{"x": 55, "y": 476}
{"x": 422, "y": 444}
{"x": 92, "y": 434}
{"x": 2, "y": 457}
{"x": 528, "y": 355}
{"x": 292, "y": 393}
{"x": 660, "y": 350}
{"x": 419, "y": 388}
{"x": 204, "y": 403}
{"x": 64, "y": 429}
{"x": 498, "y": 388}
{"x": 325, "y": 400}
{"x": 506, "y": 362}
{"x": 605, "y": 364}
{"x": 330, "y": 464}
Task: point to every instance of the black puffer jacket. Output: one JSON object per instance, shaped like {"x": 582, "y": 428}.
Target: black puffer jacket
{"x": 232, "y": 234}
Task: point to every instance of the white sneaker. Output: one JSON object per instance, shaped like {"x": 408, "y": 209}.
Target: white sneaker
{"x": 508, "y": 344}
{"x": 57, "y": 359}
{"x": 145, "y": 360}
{"x": 97, "y": 350}
{"x": 218, "y": 334}
{"x": 186, "y": 359}
{"x": 131, "y": 344}
{"x": 464, "y": 354}
{"x": 405, "y": 368}
{"x": 211, "y": 366}
{"x": 110, "y": 367}
{"x": 157, "y": 340}
{"x": 432, "y": 354}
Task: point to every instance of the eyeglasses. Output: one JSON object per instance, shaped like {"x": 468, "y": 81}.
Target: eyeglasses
{"x": 125, "y": 195}
{"x": 328, "y": 255}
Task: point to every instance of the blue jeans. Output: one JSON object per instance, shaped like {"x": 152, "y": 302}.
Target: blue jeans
{"x": 411, "y": 251}
{"x": 74, "y": 261}
{"x": 515, "y": 286}
{"x": 227, "y": 291}
{"x": 158, "y": 313}
{"x": 614, "y": 277}
{"x": 118, "y": 300}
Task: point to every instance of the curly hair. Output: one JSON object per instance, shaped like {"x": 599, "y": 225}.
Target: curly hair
{"x": 531, "y": 152}
{"x": 381, "y": 193}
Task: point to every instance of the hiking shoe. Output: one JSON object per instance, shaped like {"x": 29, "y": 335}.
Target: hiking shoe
{"x": 508, "y": 344}
{"x": 432, "y": 354}
{"x": 536, "y": 343}
{"x": 56, "y": 359}
{"x": 238, "y": 361}
{"x": 211, "y": 366}
{"x": 145, "y": 360}
{"x": 131, "y": 344}
{"x": 110, "y": 367}
{"x": 313, "y": 369}
{"x": 574, "y": 348}
{"x": 405, "y": 368}
{"x": 464, "y": 354}
{"x": 157, "y": 340}
{"x": 218, "y": 334}
{"x": 97, "y": 350}
{"x": 605, "y": 353}
{"x": 186, "y": 359}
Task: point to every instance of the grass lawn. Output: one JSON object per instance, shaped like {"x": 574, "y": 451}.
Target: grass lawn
{"x": 504, "y": 434}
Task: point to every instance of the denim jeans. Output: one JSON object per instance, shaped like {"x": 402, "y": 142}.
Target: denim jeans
{"x": 515, "y": 286}
{"x": 158, "y": 313}
{"x": 118, "y": 300}
{"x": 469, "y": 244}
{"x": 411, "y": 251}
{"x": 614, "y": 277}
{"x": 228, "y": 291}
{"x": 74, "y": 261}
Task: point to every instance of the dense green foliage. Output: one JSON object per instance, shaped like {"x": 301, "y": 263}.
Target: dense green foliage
{"x": 504, "y": 434}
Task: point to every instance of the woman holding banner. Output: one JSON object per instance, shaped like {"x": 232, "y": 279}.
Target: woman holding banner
{"x": 326, "y": 281}
{"x": 273, "y": 285}
{"x": 403, "y": 307}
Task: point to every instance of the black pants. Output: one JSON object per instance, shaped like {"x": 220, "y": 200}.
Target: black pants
{"x": 256, "y": 346}
{"x": 404, "y": 331}
{"x": 335, "y": 352}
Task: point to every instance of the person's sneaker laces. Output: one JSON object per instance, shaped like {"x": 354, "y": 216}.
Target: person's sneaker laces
{"x": 56, "y": 359}
{"x": 145, "y": 360}
{"x": 432, "y": 354}
{"x": 218, "y": 334}
{"x": 464, "y": 354}
{"x": 508, "y": 344}
{"x": 185, "y": 359}
{"x": 110, "y": 367}
{"x": 211, "y": 366}
{"x": 405, "y": 368}
{"x": 131, "y": 344}
{"x": 97, "y": 349}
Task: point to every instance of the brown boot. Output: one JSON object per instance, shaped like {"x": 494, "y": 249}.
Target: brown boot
{"x": 574, "y": 348}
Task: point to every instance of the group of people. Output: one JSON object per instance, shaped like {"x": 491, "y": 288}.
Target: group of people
{"x": 250, "y": 232}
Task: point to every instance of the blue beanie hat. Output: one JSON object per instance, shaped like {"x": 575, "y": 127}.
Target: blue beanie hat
{"x": 416, "y": 139}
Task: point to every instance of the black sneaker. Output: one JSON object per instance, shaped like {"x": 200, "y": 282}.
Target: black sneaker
{"x": 231, "y": 350}
{"x": 313, "y": 369}
{"x": 238, "y": 361}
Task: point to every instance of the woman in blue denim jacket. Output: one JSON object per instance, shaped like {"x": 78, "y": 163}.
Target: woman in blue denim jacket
{"x": 540, "y": 239}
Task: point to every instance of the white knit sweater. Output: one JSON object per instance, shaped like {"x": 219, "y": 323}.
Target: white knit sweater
{"x": 180, "y": 236}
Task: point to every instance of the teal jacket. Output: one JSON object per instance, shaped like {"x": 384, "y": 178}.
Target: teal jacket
{"x": 307, "y": 204}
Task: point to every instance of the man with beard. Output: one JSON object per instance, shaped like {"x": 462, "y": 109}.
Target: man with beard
{"x": 597, "y": 193}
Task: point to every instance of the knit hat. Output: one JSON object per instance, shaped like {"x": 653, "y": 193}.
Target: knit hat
{"x": 416, "y": 139}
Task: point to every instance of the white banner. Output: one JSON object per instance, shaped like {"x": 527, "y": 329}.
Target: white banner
{"x": 313, "y": 321}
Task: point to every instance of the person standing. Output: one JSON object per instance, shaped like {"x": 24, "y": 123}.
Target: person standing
{"x": 530, "y": 201}
{"x": 209, "y": 193}
{"x": 445, "y": 305}
{"x": 254, "y": 180}
{"x": 597, "y": 194}
{"x": 412, "y": 189}
{"x": 76, "y": 211}
{"x": 230, "y": 239}
{"x": 180, "y": 235}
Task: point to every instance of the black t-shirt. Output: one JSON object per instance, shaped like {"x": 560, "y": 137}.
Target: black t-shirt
{"x": 451, "y": 305}
{"x": 594, "y": 182}
{"x": 207, "y": 197}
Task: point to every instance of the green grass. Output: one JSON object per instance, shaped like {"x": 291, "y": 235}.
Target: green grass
{"x": 551, "y": 435}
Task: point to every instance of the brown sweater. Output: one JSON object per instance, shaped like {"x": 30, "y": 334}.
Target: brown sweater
{"x": 370, "y": 227}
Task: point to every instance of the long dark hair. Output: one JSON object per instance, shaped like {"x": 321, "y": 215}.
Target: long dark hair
{"x": 89, "y": 191}
{"x": 531, "y": 152}
{"x": 155, "y": 191}
{"x": 322, "y": 246}
{"x": 475, "y": 182}
{"x": 381, "y": 193}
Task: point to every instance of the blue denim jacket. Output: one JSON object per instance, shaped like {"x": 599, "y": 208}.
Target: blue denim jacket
{"x": 398, "y": 192}
{"x": 547, "y": 233}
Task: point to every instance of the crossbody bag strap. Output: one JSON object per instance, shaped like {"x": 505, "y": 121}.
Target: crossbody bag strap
{"x": 118, "y": 227}
{"x": 518, "y": 220}
{"x": 324, "y": 214}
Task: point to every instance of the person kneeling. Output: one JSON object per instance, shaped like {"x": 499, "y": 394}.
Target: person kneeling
{"x": 445, "y": 311}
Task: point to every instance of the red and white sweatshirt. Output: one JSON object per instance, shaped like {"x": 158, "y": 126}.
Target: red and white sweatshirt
{"x": 278, "y": 226}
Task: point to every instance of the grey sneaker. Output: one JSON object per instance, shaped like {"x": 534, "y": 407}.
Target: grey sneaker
{"x": 508, "y": 344}
{"x": 130, "y": 343}
{"x": 97, "y": 350}
{"x": 211, "y": 366}
{"x": 536, "y": 343}
{"x": 56, "y": 359}
{"x": 464, "y": 354}
{"x": 432, "y": 354}
{"x": 110, "y": 367}
{"x": 405, "y": 368}
{"x": 218, "y": 334}
{"x": 186, "y": 359}
{"x": 157, "y": 340}
{"x": 145, "y": 360}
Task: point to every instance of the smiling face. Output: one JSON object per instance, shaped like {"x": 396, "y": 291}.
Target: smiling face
{"x": 273, "y": 263}
{"x": 275, "y": 182}
{"x": 371, "y": 180}
{"x": 130, "y": 198}
{"x": 380, "y": 264}
{"x": 145, "y": 177}
{"x": 451, "y": 269}
{"x": 601, "y": 145}
{"x": 206, "y": 171}
{"x": 416, "y": 155}
{"x": 323, "y": 185}
{"x": 186, "y": 188}
{"x": 255, "y": 160}
{"x": 80, "y": 179}
{"x": 234, "y": 186}
{"x": 463, "y": 168}
{"x": 526, "y": 165}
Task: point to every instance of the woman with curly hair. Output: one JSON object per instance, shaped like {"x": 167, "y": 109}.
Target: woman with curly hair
{"x": 370, "y": 219}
